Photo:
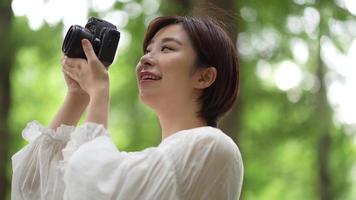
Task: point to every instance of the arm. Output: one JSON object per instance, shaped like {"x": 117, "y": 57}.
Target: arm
{"x": 74, "y": 103}
{"x": 71, "y": 110}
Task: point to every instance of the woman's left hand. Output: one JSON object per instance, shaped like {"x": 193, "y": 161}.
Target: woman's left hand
{"x": 74, "y": 88}
{"x": 90, "y": 74}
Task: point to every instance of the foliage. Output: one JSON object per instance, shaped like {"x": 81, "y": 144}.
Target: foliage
{"x": 280, "y": 130}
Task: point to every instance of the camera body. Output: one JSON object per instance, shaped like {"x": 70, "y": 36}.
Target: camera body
{"x": 103, "y": 36}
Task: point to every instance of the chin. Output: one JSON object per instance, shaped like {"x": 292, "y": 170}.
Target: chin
{"x": 149, "y": 100}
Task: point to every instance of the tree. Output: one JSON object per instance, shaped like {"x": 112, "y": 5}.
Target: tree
{"x": 284, "y": 126}
{"x": 6, "y": 62}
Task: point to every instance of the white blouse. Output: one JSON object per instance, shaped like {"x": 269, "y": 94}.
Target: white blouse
{"x": 82, "y": 162}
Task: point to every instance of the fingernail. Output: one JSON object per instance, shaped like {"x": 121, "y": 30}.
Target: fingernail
{"x": 84, "y": 41}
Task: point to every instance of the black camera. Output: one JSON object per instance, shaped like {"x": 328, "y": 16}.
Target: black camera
{"x": 103, "y": 36}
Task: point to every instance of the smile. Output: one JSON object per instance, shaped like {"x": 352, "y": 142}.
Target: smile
{"x": 146, "y": 76}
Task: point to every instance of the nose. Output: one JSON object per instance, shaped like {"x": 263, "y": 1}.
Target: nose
{"x": 147, "y": 60}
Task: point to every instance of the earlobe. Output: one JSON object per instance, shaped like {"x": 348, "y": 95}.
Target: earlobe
{"x": 205, "y": 77}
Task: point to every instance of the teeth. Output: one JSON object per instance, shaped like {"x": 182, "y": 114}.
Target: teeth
{"x": 145, "y": 77}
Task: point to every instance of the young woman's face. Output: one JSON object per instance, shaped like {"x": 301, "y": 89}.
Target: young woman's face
{"x": 165, "y": 73}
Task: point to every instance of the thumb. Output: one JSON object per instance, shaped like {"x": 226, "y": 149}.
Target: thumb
{"x": 88, "y": 50}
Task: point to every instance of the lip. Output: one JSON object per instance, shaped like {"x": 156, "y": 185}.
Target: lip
{"x": 147, "y": 73}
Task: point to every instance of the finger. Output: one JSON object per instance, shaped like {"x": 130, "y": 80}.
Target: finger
{"x": 72, "y": 62}
{"x": 66, "y": 76}
{"x": 63, "y": 60}
{"x": 88, "y": 50}
{"x": 70, "y": 67}
{"x": 71, "y": 72}
{"x": 70, "y": 75}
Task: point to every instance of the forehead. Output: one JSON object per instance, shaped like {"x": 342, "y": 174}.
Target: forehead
{"x": 175, "y": 31}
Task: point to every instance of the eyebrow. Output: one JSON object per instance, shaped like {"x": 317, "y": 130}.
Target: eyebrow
{"x": 168, "y": 39}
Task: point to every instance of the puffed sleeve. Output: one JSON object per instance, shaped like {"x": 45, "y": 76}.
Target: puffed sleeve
{"x": 195, "y": 165}
{"x": 83, "y": 163}
{"x": 36, "y": 167}
{"x": 95, "y": 169}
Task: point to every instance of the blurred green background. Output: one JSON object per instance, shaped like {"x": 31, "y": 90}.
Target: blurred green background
{"x": 295, "y": 119}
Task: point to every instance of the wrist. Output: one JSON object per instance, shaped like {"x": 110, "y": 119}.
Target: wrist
{"x": 78, "y": 98}
{"x": 99, "y": 92}
{"x": 98, "y": 107}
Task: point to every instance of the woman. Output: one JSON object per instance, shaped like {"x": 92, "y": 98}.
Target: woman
{"x": 189, "y": 76}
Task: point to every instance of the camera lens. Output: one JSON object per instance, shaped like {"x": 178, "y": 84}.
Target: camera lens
{"x": 68, "y": 40}
{"x": 72, "y": 46}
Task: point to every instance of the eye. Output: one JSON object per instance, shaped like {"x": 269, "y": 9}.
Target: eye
{"x": 146, "y": 51}
{"x": 165, "y": 48}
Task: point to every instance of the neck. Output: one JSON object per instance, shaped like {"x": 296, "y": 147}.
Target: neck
{"x": 178, "y": 120}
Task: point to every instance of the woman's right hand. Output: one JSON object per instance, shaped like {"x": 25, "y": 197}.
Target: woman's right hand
{"x": 90, "y": 74}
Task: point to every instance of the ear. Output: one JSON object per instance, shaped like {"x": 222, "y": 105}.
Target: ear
{"x": 204, "y": 77}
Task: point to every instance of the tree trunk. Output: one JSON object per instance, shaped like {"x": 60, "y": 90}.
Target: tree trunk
{"x": 324, "y": 114}
{"x": 324, "y": 141}
{"x": 6, "y": 60}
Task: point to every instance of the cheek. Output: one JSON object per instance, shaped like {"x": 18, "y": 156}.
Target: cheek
{"x": 178, "y": 75}
{"x": 179, "y": 63}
